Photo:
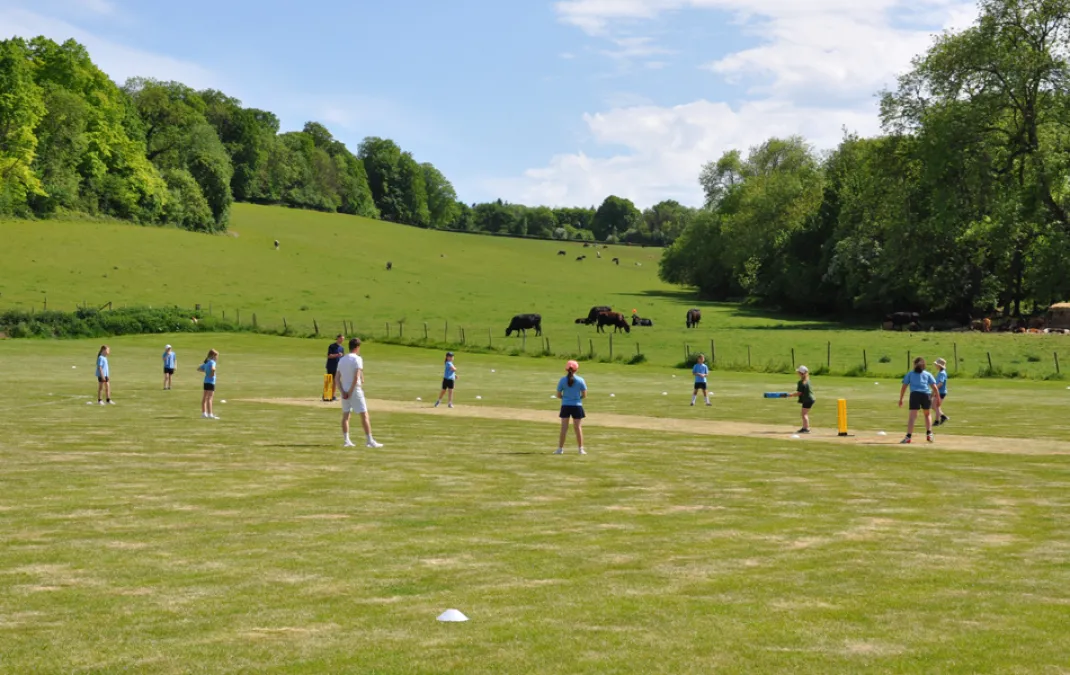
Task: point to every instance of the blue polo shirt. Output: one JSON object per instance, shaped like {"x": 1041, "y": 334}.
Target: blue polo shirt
{"x": 102, "y": 366}
{"x": 701, "y": 370}
{"x": 571, "y": 395}
{"x": 169, "y": 359}
{"x": 941, "y": 382}
{"x": 451, "y": 371}
{"x": 921, "y": 383}
{"x": 209, "y": 374}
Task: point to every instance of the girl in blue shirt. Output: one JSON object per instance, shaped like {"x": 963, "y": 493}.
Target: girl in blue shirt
{"x": 923, "y": 392}
{"x": 449, "y": 378}
{"x": 941, "y": 385}
{"x": 571, "y": 389}
{"x": 208, "y": 368}
{"x": 170, "y": 360}
{"x": 103, "y": 376}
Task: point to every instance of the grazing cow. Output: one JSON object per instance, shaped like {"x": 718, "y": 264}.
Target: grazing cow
{"x": 585, "y": 244}
{"x": 987, "y": 324}
{"x": 561, "y": 253}
{"x": 616, "y": 261}
{"x": 598, "y": 254}
{"x": 693, "y": 317}
{"x": 389, "y": 265}
{"x": 899, "y": 319}
{"x": 522, "y": 322}
{"x": 1037, "y": 323}
{"x": 582, "y": 257}
{"x": 637, "y": 321}
{"x": 592, "y": 316}
{"x": 615, "y": 319}
{"x": 638, "y": 264}
{"x": 276, "y": 244}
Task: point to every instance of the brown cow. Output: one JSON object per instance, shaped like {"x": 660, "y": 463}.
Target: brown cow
{"x": 615, "y": 319}
{"x": 693, "y": 317}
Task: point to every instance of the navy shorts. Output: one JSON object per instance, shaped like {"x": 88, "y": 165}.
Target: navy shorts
{"x": 943, "y": 396}
{"x": 700, "y": 385}
{"x": 920, "y": 401}
{"x": 208, "y": 386}
{"x": 102, "y": 379}
{"x": 574, "y": 411}
{"x": 168, "y": 371}
{"x": 447, "y": 384}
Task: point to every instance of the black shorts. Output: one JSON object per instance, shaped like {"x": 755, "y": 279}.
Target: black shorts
{"x": 447, "y": 384}
{"x": 943, "y": 396}
{"x": 574, "y": 411}
{"x": 332, "y": 371}
{"x": 208, "y": 386}
{"x": 700, "y": 385}
{"x": 102, "y": 379}
{"x": 807, "y": 404}
{"x": 168, "y": 371}
{"x": 920, "y": 401}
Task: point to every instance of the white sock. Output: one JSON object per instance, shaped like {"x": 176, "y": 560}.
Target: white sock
{"x": 693, "y": 397}
{"x": 370, "y": 439}
{"x": 346, "y": 437}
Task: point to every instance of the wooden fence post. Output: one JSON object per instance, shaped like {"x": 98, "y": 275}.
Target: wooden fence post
{"x": 490, "y": 340}
{"x": 611, "y": 346}
{"x": 637, "y": 352}
{"x": 549, "y": 349}
{"x": 238, "y": 319}
{"x": 828, "y": 361}
{"x": 910, "y": 364}
{"x": 956, "y": 357}
{"x": 254, "y": 319}
{"x": 523, "y": 342}
{"x": 713, "y": 353}
{"x": 793, "y": 358}
{"x": 284, "y": 326}
{"x": 388, "y": 329}
{"x": 591, "y": 345}
{"x": 865, "y": 362}
{"x": 748, "y": 356}
{"x": 989, "y": 361}
{"x": 579, "y": 348}
{"x": 316, "y": 326}
{"x": 425, "y": 330}
{"x": 1056, "y": 355}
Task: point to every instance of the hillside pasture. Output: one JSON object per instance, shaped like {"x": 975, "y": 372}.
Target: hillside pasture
{"x": 331, "y": 269}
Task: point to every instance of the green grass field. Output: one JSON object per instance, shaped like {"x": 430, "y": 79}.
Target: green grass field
{"x": 141, "y": 538}
{"x": 331, "y": 268}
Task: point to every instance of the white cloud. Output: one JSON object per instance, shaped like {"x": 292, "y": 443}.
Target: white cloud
{"x": 633, "y": 47}
{"x": 96, "y": 6}
{"x": 118, "y": 61}
{"x": 814, "y": 71}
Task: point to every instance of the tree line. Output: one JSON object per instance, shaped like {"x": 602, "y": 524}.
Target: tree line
{"x": 961, "y": 206}
{"x": 72, "y": 141}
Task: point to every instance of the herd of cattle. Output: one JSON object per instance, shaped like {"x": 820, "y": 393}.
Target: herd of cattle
{"x": 599, "y": 316}
{"x": 912, "y": 321}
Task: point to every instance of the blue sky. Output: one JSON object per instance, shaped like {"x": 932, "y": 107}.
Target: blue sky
{"x": 534, "y": 101}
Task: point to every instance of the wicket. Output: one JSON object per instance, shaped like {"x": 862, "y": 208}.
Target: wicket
{"x": 328, "y": 386}
{"x": 841, "y": 416}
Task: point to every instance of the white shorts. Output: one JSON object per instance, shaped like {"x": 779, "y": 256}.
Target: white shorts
{"x": 355, "y": 403}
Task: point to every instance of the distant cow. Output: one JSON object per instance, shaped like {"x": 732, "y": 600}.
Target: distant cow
{"x": 598, "y": 254}
{"x": 637, "y": 321}
{"x": 581, "y": 257}
{"x": 592, "y": 316}
{"x": 615, "y": 319}
{"x": 522, "y": 322}
{"x": 276, "y": 244}
{"x": 693, "y": 317}
{"x": 899, "y": 319}
{"x": 616, "y": 261}
{"x": 561, "y": 253}
{"x": 585, "y": 244}
{"x": 390, "y": 265}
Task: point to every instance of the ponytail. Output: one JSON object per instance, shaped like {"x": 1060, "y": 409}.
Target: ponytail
{"x": 571, "y": 378}
{"x": 101, "y": 352}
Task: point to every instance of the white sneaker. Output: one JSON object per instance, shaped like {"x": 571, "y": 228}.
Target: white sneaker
{"x": 204, "y": 415}
{"x": 214, "y": 417}
{"x": 373, "y": 444}
{"x": 450, "y": 405}
{"x": 100, "y": 402}
{"x": 349, "y": 444}
{"x": 559, "y": 451}
{"x": 111, "y": 402}
{"x": 582, "y": 451}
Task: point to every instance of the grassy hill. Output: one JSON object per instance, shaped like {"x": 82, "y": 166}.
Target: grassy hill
{"x": 332, "y": 268}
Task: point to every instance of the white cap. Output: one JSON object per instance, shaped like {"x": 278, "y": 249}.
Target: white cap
{"x": 802, "y": 370}
{"x": 167, "y": 347}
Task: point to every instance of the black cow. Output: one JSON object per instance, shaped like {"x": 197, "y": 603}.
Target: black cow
{"x": 616, "y": 261}
{"x": 276, "y": 244}
{"x": 390, "y": 265}
{"x": 637, "y": 321}
{"x": 585, "y": 244}
{"x": 581, "y": 257}
{"x": 911, "y": 320}
{"x": 522, "y": 322}
{"x": 615, "y": 319}
{"x": 561, "y": 253}
{"x": 592, "y": 316}
{"x": 693, "y": 317}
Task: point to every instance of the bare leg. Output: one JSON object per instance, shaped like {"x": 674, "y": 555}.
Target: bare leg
{"x": 107, "y": 390}
{"x": 441, "y": 394}
{"x": 564, "y": 432}
{"x": 204, "y": 403}
{"x": 345, "y": 424}
{"x": 209, "y": 395}
{"x": 451, "y": 397}
{"x": 366, "y": 422}
{"x": 928, "y": 422}
{"x": 100, "y": 391}
{"x": 910, "y": 421}
{"x": 579, "y": 433}
{"x": 806, "y": 418}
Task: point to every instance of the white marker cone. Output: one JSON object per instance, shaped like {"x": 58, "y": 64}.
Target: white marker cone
{"x": 73, "y": 367}
{"x": 881, "y": 433}
{"x": 418, "y": 398}
{"x": 452, "y": 615}
{"x": 664, "y": 393}
{"x": 613, "y": 396}
{"x": 796, "y": 436}
{"x": 479, "y": 398}
{"x": 223, "y": 401}
{"x": 493, "y": 371}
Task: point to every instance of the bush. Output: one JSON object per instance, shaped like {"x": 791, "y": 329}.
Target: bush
{"x": 1032, "y": 358}
{"x": 885, "y": 359}
{"x": 84, "y": 323}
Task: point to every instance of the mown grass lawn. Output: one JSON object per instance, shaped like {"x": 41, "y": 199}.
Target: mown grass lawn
{"x": 332, "y": 269}
{"x": 140, "y": 538}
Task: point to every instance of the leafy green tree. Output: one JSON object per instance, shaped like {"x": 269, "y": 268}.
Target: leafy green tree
{"x": 615, "y": 216}
{"x": 414, "y": 209}
{"x": 441, "y": 198}
{"x": 541, "y": 221}
{"x": 21, "y": 108}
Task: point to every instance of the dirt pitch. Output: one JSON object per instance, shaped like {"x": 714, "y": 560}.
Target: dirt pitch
{"x": 987, "y": 444}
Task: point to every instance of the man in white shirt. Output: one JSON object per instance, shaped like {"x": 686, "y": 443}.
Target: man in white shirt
{"x": 351, "y": 382}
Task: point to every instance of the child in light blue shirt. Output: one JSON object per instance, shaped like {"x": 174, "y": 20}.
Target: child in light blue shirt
{"x": 170, "y": 361}
{"x": 103, "y": 377}
{"x": 701, "y": 371}
{"x": 209, "y": 369}
{"x": 449, "y": 379}
{"x": 571, "y": 389}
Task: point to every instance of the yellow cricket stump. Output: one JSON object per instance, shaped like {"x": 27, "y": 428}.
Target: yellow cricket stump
{"x": 841, "y": 416}
{"x": 328, "y": 386}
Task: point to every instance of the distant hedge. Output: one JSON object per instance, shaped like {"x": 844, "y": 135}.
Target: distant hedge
{"x": 83, "y": 323}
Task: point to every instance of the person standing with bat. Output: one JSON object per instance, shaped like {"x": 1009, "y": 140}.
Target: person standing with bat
{"x": 805, "y": 393}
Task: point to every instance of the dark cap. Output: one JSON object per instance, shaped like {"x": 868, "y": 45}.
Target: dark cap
{"x": 449, "y": 353}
